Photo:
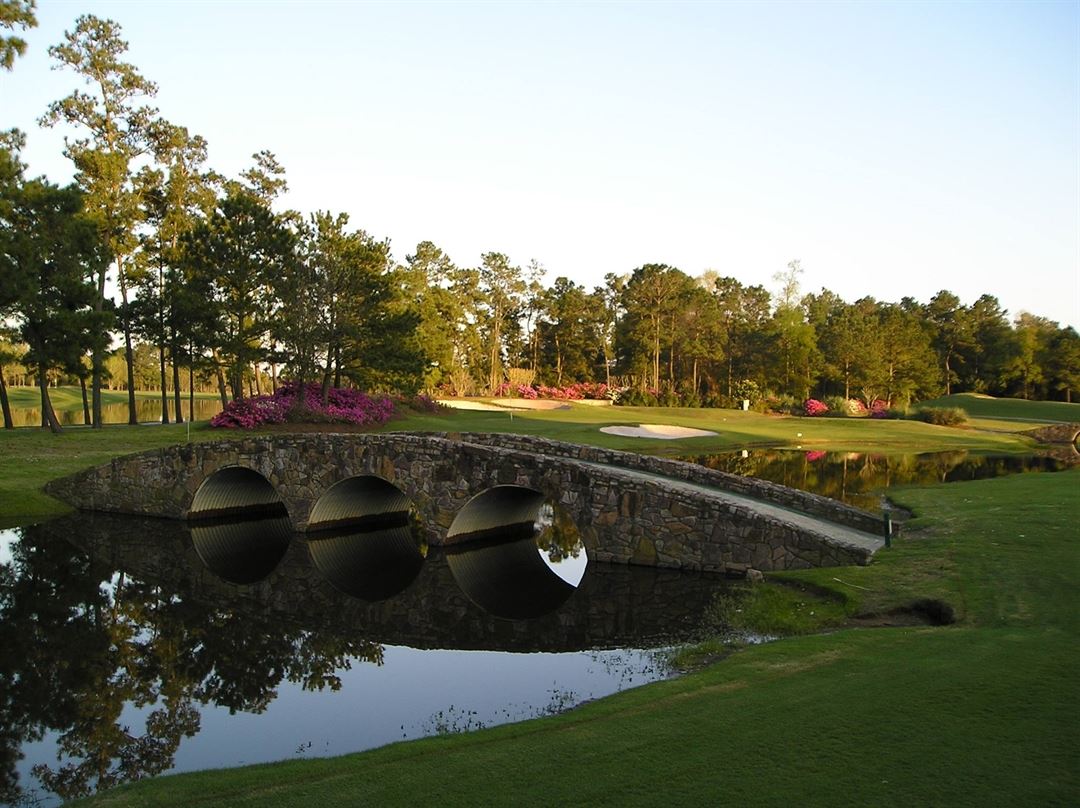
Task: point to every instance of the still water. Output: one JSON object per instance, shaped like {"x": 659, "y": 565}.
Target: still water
{"x": 131, "y": 647}
{"x": 148, "y": 410}
{"x": 862, "y": 480}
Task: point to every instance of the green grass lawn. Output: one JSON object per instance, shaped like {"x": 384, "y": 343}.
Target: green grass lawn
{"x": 981, "y": 713}
{"x": 1014, "y": 409}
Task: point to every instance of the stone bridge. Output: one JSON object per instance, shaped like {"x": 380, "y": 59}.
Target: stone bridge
{"x": 628, "y": 508}
{"x": 1058, "y": 433}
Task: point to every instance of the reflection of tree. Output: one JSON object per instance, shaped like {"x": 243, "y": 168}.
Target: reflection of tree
{"x": 82, "y": 644}
{"x": 556, "y": 533}
{"x": 861, "y": 479}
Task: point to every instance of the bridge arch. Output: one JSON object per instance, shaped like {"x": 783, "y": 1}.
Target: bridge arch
{"x": 364, "y": 499}
{"x": 236, "y": 491}
{"x": 241, "y": 551}
{"x": 497, "y": 510}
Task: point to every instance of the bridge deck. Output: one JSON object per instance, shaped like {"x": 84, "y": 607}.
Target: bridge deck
{"x": 838, "y": 533}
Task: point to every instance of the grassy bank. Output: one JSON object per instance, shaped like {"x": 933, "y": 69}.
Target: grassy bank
{"x": 979, "y": 713}
{"x": 31, "y": 457}
{"x": 1014, "y": 409}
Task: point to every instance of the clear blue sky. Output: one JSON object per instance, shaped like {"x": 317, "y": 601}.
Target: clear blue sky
{"x": 895, "y": 148}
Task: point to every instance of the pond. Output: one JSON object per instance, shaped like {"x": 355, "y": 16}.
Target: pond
{"x": 131, "y": 647}
{"x": 862, "y": 479}
{"x": 148, "y": 411}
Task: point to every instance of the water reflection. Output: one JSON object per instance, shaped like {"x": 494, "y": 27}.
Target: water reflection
{"x": 242, "y": 551}
{"x": 147, "y": 410}
{"x": 861, "y": 479}
{"x": 507, "y": 577}
{"x": 84, "y": 637}
{"x": 559, "y": 542}
{"x": 372, "y": 565}
{"x": 120, "y": 635}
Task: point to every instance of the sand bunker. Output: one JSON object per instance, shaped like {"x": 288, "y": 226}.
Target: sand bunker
{"x": 659, "y": 431}
{"x": 502, "y": 404}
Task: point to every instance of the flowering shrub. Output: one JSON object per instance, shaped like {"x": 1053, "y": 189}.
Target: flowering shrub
{"x": 572, "y": 392}
{"x": 879, "y": 408}
{"x": 342, "y": 406}
{"x": 813, "y": 407}
{"x": 248, "y": 413}
{"x": 813, "y": 457}
{"x": 854, "y": 407}
{"x": 425, "y": 403}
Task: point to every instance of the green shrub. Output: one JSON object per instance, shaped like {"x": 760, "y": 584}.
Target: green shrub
{"x": 941, "y": 416}
{"x": 837, "y": 406}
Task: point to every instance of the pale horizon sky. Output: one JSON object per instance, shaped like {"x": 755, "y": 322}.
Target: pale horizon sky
{"x": 894, "y": 148}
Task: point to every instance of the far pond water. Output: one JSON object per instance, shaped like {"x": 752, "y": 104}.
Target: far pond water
{"x": 862, "y": 479}
{"x": 131, "y": 647}
{"x": 147, "y": 410}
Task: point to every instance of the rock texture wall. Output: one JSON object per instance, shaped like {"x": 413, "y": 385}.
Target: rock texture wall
{"x": 622, "y": 515}
{"x": 1059, "y": 433}
{"x": 764, "y": 490}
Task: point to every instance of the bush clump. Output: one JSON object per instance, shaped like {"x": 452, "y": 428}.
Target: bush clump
{"x": 343, "y": 406}
{"x": 942, "y": 416}
{"x": 813, "y": 408}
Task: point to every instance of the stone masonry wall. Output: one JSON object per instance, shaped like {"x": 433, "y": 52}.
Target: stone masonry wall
{"x": 622, "y": 517}
{"x": 764, "y": 490}
{"x": 1059, "y": 433}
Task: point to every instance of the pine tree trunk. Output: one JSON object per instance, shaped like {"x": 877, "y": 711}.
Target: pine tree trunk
{"x": 85, "y": 405}
{"x": 129, "y": 353}
{"x": 48, "y": 416}
{"x": 9, "y": 421}
{"x": 177, "y": 396}
{"x": 164, "y": 385}
{"x": 221, "y": 383}
{"x": 258, "y": 384}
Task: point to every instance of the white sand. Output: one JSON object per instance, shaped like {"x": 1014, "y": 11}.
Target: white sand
{"x": 658, "y": 431}
{"x": 503, "y": 404}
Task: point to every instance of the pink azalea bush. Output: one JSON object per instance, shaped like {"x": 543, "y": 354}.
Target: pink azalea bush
{"x": 813, "y": 407}
{"x": 248, "y": 413}
{"x": 571, "y": 392}
{"x": 879, "y": 408}
{"x": 343, "y": 406}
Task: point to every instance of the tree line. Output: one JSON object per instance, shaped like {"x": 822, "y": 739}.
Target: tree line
{"x": 151, "y": 246}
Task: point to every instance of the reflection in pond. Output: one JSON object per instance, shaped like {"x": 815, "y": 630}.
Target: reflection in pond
{"x": 560, "y": 543}
{"x": 242, "y": 551}
{"x": 372, "y": 565}
{"x": 506, "y": 576}
{"x": 861, "y": 479}
{"x": 83, "y": 640}
{"x": 123, "y": 656}
{"x": 147, "y": 411}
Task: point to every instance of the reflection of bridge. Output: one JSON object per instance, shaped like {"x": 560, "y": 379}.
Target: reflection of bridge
{"x": 628, "y": 508}
{"x": 615, "y": 606}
